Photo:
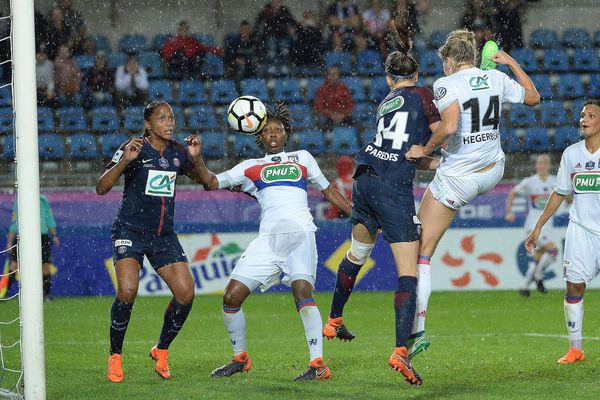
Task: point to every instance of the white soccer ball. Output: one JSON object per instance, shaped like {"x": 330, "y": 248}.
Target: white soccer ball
{"x": 247, "y": 114}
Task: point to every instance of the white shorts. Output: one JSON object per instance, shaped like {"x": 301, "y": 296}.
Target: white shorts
{"x": 457, "y": 191}
{"x": 582, "y": 255}
{"x": 268, "y": 256}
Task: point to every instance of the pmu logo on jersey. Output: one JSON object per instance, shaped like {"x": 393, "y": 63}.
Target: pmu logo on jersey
{"x": 586, "y": 182}
{"x": 391, "y": 105}
{"x": 479, "y": 82}
{"x": 281, "y": 172}
{"x": 161, "y": 183}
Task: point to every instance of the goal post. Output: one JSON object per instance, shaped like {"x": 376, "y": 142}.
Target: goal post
{"x": 28, "y": 195}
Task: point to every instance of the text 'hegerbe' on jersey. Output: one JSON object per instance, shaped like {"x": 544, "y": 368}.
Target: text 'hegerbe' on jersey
{"x": 403, "y": 119}
{"x": 579, "y": 173}
{"x": 149, "y": 194}
{"x": 537, "y": 192}
{"x": 476, "y": 142}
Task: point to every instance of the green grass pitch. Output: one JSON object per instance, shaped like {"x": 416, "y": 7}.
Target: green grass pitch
{"x": 485, "y": 345}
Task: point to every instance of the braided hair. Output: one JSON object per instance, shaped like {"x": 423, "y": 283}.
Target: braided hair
{"x": 280, "y": 113}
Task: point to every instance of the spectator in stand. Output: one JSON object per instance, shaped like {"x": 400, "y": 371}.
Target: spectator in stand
{"x": 477, "y": 15}
{"x": 67, "y": 76}
{"x": 507, "y": 20}
{"x": 184, "y": 55}
{"x": 333, "y": 102}
{"x": 44, "y": 73}
{"x": 81, "y": 43}
{"x": 344, "y": 23}
{"x": 344, "y": 166}
{"x": 241, "y": 53}
{"x": 73, "y": 18}
{"x": 274, "y": 25}
{"x": 131, "y": 83}
{"x": 375, "y": 21}
{"x": 58, "y": 33}
{"x": 99, "y": 82}
{"x": 309, "y": 47}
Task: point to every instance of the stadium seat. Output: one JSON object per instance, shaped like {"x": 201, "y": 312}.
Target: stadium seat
{"x": 543, "y": 85}
{"x": 191, "y": 92}
{"x": 364, "y": 114}
{"x": 110, "y": 144}
{"x": 553, "y": 115}
{"x": 536, "y": 139}
{"x": 312, "y": 85}
{"x": 555, "y": 60}
{"x": 213, "y": 144}
{"x": 576, "y": 107}
{"x": 152, "y": 63}
{"x": 71, "y": 119}
{"x": 244, "y": 146}
{"x": 159, "y": 40}
{"x": 576, "y": 37}
{"x": 8, "y": 147}
{"x": 564, "y": 137}
{"x": 160, "y": 90}
{"x": 45, "y": 117}
{"x": 85, "y": 61}
{"x": 115, "y": 59}
{"x": 255, "y": 87}
{"x": 430, "y": 63}
{"x": 543, "y": 39}
{"x": 510, "y": 141}
{"x": 437, "y": 39}
{"x": 302, "y": 116}
{"x": 594, "y": 86}
{"x": 357, "y": 88}
{"x": 223, "y": 91}
{"x": 213, "y": 66}
{"x": 312, "y": 141}
{"x": 102, "y": 42}
{"x": 586, "y": 60}
{"x": 521, "y": 115}
{"x": 597, "y": 38}
{"x": 527, "y": 59}
{"x": 309, "y": 70}
{"x": 570, "y": 86}
{"x": 51, "y": 146}
{"x": 5, "y": 97}
{"x": 368, "y": 63}
{"x": 105, "y": 118}
{"x": 6, "y": 120}
{"x": 179, "y": 117}
{"x": 133, "y": 118}
{"x": 344, "y": 141}
{"x": 340, "y": 58}
{"x": 202, "y": 117}
{"x": 83, "y": 146}
{"x": 133, "y": 43}
{"x": 288, "y": 90}
{"x": 205, "y": 38}
{"x": 379, "y": 89}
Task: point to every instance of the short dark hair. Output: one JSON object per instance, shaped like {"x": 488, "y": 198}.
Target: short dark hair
{"x": 594, "y": 102}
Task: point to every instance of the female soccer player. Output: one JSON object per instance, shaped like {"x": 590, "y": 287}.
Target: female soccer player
{"x": 469, "y": 100}
{"x": 286, "y": 240}
{"x": 384, "y": 201}
{"x": 578, "y": 175}
{"x": 144, "y": 227}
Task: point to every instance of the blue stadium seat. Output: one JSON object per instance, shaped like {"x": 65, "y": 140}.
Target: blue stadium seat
{"x": 51, "y": 146}
{"x": 160, "y": 90}
{"x": 312, "y": 141}
{"x": 510, "y": 141}
{"x": 5, "y": 97}
{"x": 205, "y": 38}
{"x": 213, "y": 144}
{"x": 213, "y": 66}
{"x": 570, "y": 86}
{"x": 312, "y": 85}
{"x": 526, "y": 59}
{"x": 159, "y": 40}
{"x": 555, "y": 60}
{"x": 379, "y": 89}
{"x": 340, "y": 58}
{"x": 594, "y": 86}
{"x": 105, "y": 118}
{"x": 364, "y": 114}
{"x": 85, "y": 61}
{"x": 344, "y": 141}
{"x": 430, "y": 63}
{"x": 564, "y": 137}
{"x": 133, "y": 118}
{"x": 543, "y": 39}
{"x": 576, "y": 107}
{"x": 45, "y": 117}
{"x": 133, "y": 43}
{"x": 102, "y": 42}
{"x": 71, "y": 119}
{"x": 576, "y": 37}
{"x": 6, "y": 120}
{"x": 368, "y": 63}
{"x": 202, "y": 117}
{"x": 521, "y": 115}
{"x": 302, "y": 116}
{"x": 357, "y": 88}
{"x": 110, "y": 144}
{"x": 586, "y": 60}
{"x": 115, "y": 59}
{"x": 223, "y": 91}
{"x": 179, "y": 117}
{"x": 191, "y": 92}
{"x": 244, "y": 146}
{"x": 8, "y": 147}
{"x": 543, "y": 85}
{"x": 553, "y": 115}
{"x": 83, "y": 146}
{"x": 255, "y": 87}
{"x": 597, "y": 38}
{"x": 152, "y": 63}
{"x": 288, "y": 90}
{"x": 437, "y": 39}
{"x": 536, "y": 139}
{"x": 309, "y": 70}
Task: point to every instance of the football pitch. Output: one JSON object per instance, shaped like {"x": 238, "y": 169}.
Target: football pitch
{"x": 485, "y": 345}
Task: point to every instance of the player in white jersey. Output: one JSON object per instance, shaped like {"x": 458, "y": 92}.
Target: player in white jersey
{"x": 578, "y": 174}
{"x": 537, "y": 188}
{"x": 286, "y": 240}
{"x": 469, "y": 100}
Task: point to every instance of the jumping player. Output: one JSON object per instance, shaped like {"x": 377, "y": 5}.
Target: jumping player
{"x": 469, "y": 100}
{"x": 578, "y": 175}
{"x": 384, "y": 201}
{"x": 537, "y": 188}
{"x": 286, "y": 241}
{"x": 144, "y": 227}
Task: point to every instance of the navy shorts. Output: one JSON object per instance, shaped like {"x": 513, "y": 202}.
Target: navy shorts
{"x": 160, "y": 250}
{"x": 377, "y": 205}
{"x": 46, "y": 254}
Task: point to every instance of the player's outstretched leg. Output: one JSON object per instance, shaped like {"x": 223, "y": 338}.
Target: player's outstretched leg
{"x": 317, "y": 370}
{"x": 418, "y": 341}
{"x": 345, "y": 280}
{"x": 240, "y": 363}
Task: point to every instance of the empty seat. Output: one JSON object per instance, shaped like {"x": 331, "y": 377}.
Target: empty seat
{"x": 110, "y": 144}
{"x": 133, "y": 118}
{"x": 536, "y": 139}
{"x": 594, "y": 86}
{"x": 521, "y": 115}
{"x": 302, "y": 116}
{"x": 8, "y": 147}
{"x": 526, "y": 59}
{"x": 430, "y": 63}
{"x": 213, "y": 66}
{"x": 179, "y": 117}
{"x": 312, "y": 141}
{"x": 576, "y": 37}
{"x": 564, "y": 137}
{"x": 288, "y": 90}
{"x": 161, "y": 90}
{"x": 191, "y": 92}
{"x": 379, "y": 89}
{"x": 105, "y": 118}
{"x": 368, "y": 62}
{"x": 244, "y": 146}
{"x": 312, "y": 85}
{"x": 364, "y": 114}
{"x": 6, "y": 120}
{"x": 341, "y": 59}
{"x": 152, "y": 63}
{"x": 115, "y": 59}
{"x": 543, "y": 39}
{"x": 255, "y": 87}
{"x": 202, "y": 117}
{"x": 159, "y": 40}
{"x": 510, "y": 141}
{"x": 223, "y": 91}
{"x": 437, "y": 39}
{"x": 45, "y": 117}
{"x": 553, "y": 116}
{"x": 83, "y": 146}
{"x": 586, "y": 60}
{"x": 597, "y": 38}
{"x": 555, "y": 60}
{"x": 356, "y": 87}
{"x": 85, "y": 61}
{"x": 543, "y": 85}
{"x": 51, "y": 146}
{"x": 213, "y": 144}
{"x": 344, "y": 141}
{"x": 570, "y": 86}
{"x": 133, "y": 43}
{"x": 6, "y": 97}
{"x": 71, "y": 119}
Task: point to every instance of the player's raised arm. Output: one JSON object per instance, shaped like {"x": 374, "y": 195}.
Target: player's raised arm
{"x": 532, "y": 97}
{"x": 200, "y": 173}
{"x": 121, "y": 159}
{"x": 554, "y": 202}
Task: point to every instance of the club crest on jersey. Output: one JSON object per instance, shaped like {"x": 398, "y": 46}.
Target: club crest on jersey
{"x": 586, "y": 182}
{"x": 590, "y": 165}
{"x": 276, "y": 159}
{"x": 440, "y": 92}
{"x": 391, "y": 105}
{"x": 163, "y": 162}
{"x": 281, "y": 172}
{"x": 176, "y": 162}
{"x": 293, "y": 158}
{"x": 479, "y": 82}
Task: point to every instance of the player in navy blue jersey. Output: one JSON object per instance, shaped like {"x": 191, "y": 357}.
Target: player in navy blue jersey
{"x": 383, "y": 198}
{"x": 144, "y": 227}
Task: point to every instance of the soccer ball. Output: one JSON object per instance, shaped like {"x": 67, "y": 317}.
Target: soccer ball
{"x": 247, "y": 114}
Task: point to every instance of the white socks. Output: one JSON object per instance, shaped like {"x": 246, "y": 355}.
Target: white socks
{"x": 423, "y": 293}
{"x": 574, "y": 320}
{"x": 235, "y": 322}
{"x": 311, "y": 318}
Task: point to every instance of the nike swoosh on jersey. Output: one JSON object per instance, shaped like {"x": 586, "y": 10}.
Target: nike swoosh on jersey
{"x": 145, "y": 161}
